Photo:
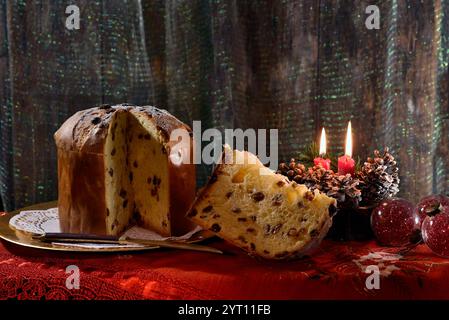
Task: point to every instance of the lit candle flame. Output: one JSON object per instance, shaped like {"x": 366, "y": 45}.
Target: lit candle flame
{"x": 348, "y": 148}
{"x": 323, "y": 142}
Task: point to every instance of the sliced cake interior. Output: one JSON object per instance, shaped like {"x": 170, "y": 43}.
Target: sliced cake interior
{"x": 148, "y": 171}
{"x": 260, "y": 211}
{"x": 118, "y": 192}
{"x": 137, "y": 175}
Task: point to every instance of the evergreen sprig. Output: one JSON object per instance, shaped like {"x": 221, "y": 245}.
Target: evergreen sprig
{"x": 313, "y": 150}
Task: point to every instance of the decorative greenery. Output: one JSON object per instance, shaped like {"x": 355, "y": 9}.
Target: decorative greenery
{"x": 375, "y": 180}
{"x": 312, "y": 151}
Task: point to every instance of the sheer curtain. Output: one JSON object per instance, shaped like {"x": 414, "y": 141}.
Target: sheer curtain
{"x": 291, "y": 65}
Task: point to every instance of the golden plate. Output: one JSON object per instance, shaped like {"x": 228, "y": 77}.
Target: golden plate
{"x": 24, "y": 239}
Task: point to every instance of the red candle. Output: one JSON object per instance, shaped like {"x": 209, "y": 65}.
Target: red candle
{"x": 345, "y": 163}
{"x": 325, "y": 163}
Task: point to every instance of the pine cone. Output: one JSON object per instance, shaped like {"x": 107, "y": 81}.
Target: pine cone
{"x": 345, "y": 190}
{"x": 292, "y": 169}
{"x": 379, "y": 178}
{"x": 342, "y": 188}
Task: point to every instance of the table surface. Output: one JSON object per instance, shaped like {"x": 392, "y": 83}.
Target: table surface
{"x": 335, "y": 271}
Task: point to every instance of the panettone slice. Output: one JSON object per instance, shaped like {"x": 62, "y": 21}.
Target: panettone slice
{"x": 260, "y": 211}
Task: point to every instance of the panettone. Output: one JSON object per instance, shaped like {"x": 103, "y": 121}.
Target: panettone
{"x": 115, "y": 168}
{"x": 260, "y": 211}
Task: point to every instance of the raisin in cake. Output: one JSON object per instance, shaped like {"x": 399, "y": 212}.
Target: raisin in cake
{"x": 114, "y": 168}
{"x": 261, "y": 211}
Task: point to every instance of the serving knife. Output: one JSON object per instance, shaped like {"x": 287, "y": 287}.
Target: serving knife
{"x": 92, "y": 238}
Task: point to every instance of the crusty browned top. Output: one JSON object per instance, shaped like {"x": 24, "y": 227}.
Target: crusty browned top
{"x": 86, "y": 130}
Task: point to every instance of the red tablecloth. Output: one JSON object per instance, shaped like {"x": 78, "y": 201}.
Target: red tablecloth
{"x": 336, "y": 271}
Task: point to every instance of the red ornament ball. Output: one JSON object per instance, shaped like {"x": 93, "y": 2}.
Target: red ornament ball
{"x": 429, "y": 205}
{"x": 435, "y": 231}
{"x": 395, "y": 222}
